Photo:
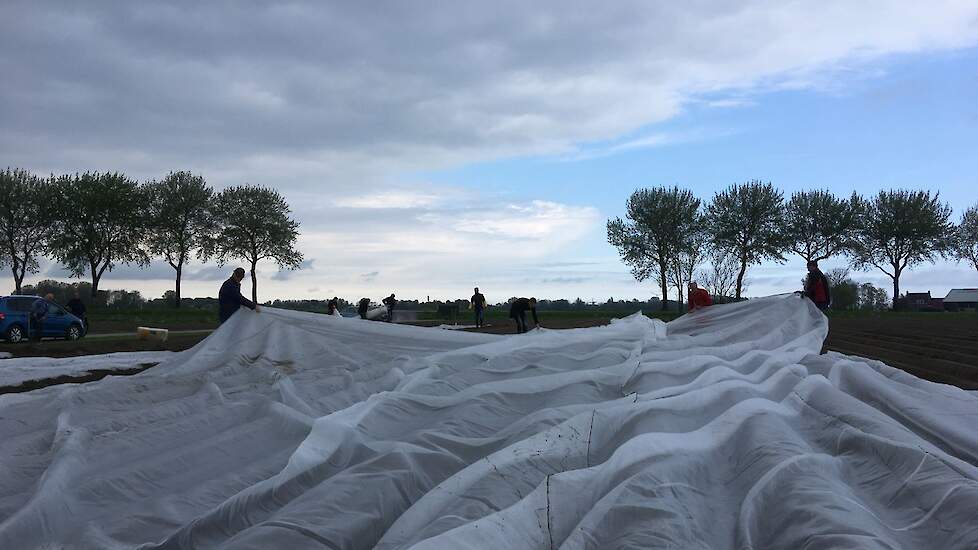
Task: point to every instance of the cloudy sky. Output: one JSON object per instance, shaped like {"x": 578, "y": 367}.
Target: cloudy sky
{"x": 429, "y": 147}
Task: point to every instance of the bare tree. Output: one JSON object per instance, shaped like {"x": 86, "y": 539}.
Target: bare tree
{"x": 253, "y": 223}
{"x": 818, "y": 225}
{"x": 99, "y": 222}
{"x": 899, "y": 229}
{"x": 660, "y": 222}
{"x": 966, "y": 242}
{"x": 720, "y": 278}
{"x": 687, "y": 260}
{"x": 747, "y": 220}
{"x": 179, "y": 210}
{"x": 25, "y": 225}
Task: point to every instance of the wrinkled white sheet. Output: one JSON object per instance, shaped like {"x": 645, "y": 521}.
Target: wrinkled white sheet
{"x": 16, "y": 371}
{"x": 292, "y": 430}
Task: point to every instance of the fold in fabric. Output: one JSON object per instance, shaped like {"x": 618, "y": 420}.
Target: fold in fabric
{"x": 722, "y": 429}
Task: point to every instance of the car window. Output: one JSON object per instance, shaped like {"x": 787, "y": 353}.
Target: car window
{"x": 56, "y": 310}
{"x": 20, "y": 304}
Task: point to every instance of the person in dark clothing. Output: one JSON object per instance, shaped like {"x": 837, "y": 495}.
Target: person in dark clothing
{"x": 230, "y": 298}
{"x": 77, "y": 308}
{"x": 332, "y": 306}
{"x": 517, "y": 312}
{"x": 817, "y": 287}
{"x": 39, "y": 312}
{"x": 390, "y": 302}
{"x": 478, "y": 305}
{"x": 363, "y": 306}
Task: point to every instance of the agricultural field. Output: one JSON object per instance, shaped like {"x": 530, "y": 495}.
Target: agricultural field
{"x": 941, "y": 347}
{"x": 106, "y": 321}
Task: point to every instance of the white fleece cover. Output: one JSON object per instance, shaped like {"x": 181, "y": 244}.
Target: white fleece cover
{"x": 292, "y": 430}
{"x": 16, "y": 371}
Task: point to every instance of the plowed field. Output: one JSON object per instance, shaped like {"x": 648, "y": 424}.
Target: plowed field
{"x": 934, "y": 346}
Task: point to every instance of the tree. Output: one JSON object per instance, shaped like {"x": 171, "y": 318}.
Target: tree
{"x": 872, "y": 297}
{"x": 179, "y": 218}
{"x": 24, "y": 222}
{"x": 661, "y": 221}
{"x": 818, "y": 225}
{"x": 899, "y": 229}
{"x": 966, "y": 242}
{"x": 721, "y": 278}
{"x": 252, "y": 223}
{"x": 748, "y": 221}
{"x": 687, "y": 260}
{"x": 99, "y": 222}
{"x": 845, "y": 293}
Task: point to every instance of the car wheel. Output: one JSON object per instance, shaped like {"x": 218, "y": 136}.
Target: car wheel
{"x": 74, "y": 332}
{"x": 15, "y": 334}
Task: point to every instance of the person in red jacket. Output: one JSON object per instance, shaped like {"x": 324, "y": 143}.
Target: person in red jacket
{"x": 698, "y": 297}
{"x": 817, "y": 287}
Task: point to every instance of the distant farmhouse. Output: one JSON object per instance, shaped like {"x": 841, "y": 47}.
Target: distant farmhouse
{"x": 956, "y": 300}
{"x": 961, "y": 298}
{"x": 921, "y": 301}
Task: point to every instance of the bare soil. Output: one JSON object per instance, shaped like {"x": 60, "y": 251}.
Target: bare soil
{"x": 933, "y": 346}
{"x": 94, "y": 346}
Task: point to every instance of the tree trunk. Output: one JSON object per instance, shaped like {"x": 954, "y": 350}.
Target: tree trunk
{"x": 176, "y": 302}
{"x": 96, "y": 275}
{"x": 665, "y": 293}
{"x": 254, "y": 284}
{"x": 896, "y": 289}
{"x": 740, "y": 277}
{"x": 18, "y": 278}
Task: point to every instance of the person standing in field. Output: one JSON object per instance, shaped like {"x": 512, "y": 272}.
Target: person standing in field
{"x": 518, "y": 310}
{"x": 478, "y": 305}
{"x": 230, "y": 299}
{"x": 817, "y": 287}
{"x": 390, "y": 302}
{"x": 77, "y": 308}
{"x": 698, "y": 298}
{"x": 333, "y": 306}
{"x": 39, "y": 312}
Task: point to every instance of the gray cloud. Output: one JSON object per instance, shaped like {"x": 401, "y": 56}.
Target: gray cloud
{"x": 154, "y": 271}
{"x": 369, "y": 277}
{"x": 333, "y": 103}
{"x": 238, "y": 89}
{"x": 565, "y": 280}
{"x": 210, "y": 273}
{"x": 285, "y": 275}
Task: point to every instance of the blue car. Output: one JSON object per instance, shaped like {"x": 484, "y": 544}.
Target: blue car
{"x": 15, "y": 326}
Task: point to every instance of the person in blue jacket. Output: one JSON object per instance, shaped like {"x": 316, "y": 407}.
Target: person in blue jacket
{"x": 230, "y": 298}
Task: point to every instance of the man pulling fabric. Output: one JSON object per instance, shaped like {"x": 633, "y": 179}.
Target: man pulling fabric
{"x": 230, "y": 298}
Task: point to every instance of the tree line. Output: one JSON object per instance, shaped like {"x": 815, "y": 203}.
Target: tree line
{"x": 95, "y": 221}
{"x": 668, "y": 233}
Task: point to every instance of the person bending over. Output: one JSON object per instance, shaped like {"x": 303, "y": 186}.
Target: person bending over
{"x": 390, "y": 302}
{"x": 698, "y": 297}
{"x": 518, "y": 310}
